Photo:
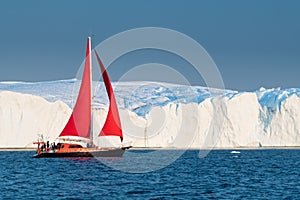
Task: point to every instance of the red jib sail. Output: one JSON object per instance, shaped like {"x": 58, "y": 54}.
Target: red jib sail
{"x": 80, "y": 120}
{"x": 112, "y": 125}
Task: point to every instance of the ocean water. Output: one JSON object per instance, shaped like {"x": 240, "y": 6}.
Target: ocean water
{"x": 251, "y": 174}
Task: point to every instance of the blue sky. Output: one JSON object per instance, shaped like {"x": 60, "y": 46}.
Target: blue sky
{"x": 254, "y": 43}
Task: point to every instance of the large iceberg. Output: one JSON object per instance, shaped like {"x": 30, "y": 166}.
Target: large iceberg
{"x": 156, "y": 114}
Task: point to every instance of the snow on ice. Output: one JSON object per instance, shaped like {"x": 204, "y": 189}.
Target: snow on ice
{"x": 156, "y": 114}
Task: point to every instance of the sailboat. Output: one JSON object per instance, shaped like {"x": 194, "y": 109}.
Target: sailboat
{"x": 76, "y": 138}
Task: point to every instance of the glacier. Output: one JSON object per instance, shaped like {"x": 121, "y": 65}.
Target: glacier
{"x": 156, "y": 114}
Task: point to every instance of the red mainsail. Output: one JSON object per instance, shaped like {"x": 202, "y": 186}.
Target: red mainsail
{"x": 112, "y": 125}
{"x": 80, "y": 120}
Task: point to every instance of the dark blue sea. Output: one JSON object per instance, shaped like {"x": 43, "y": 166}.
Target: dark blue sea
{"x": 251, "y": 174}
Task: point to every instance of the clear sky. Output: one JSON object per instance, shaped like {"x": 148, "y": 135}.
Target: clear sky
{"x": 254, "y": 43}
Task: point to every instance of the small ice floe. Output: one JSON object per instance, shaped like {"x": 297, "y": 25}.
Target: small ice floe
{"x": 235, "y": 152}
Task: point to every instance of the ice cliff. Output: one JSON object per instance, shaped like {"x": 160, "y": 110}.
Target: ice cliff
{"x": 156, "y": 114}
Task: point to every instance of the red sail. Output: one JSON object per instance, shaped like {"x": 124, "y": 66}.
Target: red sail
{"x": 112, "y": 125}
{"x": 79, "y": 122}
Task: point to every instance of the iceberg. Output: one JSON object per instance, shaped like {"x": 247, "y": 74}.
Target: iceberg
{"x": 156, "y": 115}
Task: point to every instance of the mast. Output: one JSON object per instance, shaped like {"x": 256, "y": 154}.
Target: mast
{"x": 91, "y": 78}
